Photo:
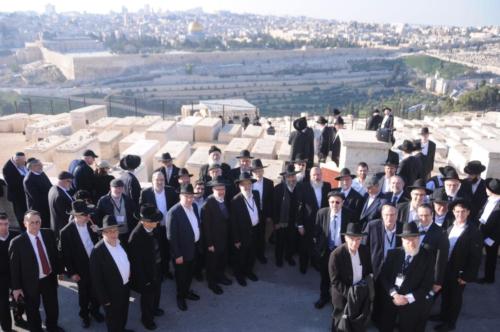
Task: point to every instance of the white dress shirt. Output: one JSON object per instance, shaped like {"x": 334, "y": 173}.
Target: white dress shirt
{"x": 412, "y": 214}
{"x": 425, "y": 148}
{"x": 475, "y": 185}
{"x": 194, "y": 222}
{"x": 386, "y": 185}
{"x": 491, "y": 203}
{"x": 121, "y": 260}
{"x": 35, "y": 248}
{"x": 455, "y": 233}
{"x": 358, "y": 186}
{"x": 357, "y": 268}
{"x": 83, "y": 231}
{"x": 318, "y": 193}
{"x": 161, "y": 204}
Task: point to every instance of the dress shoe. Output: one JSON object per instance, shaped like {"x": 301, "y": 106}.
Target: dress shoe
{"x": 225, "y": 281}
{"x": 216, "y": 289}
{"x": 55, "y": 329}
{"x": 169, "y": 275}
{"x": 128, "y": 330}
{"x": 181, "y": 304}
{"x": 291, "y": 261}
{"x": 241, "y": 281}
{"x": 321, "y": 303}
{"x": 192, "y": 296}
{"x": 435, "y": 318}
{"x": 262, "y": 259}
{"x": 98, "y": 317}
{"x": 149, "y": 325}
{"x": 85, "y": 322}
{"x": 21, "y": 322}
{"x": 252, "y": 276}
{"x": 158, "y": 312}
{"x": 444, "y": 327}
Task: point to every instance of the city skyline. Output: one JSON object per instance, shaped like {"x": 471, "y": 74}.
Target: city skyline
{"x": 446, "y": 12}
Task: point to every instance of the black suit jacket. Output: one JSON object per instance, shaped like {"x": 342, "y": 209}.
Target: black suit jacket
{"x": 429, "y": 159}
{"x": 215, "y": 226}
{"x": 311, "y": 204}
{"x": 24, "y": 265}
{"x": 181, "y": 233}
{"x": 421, "y": 160}
{"x": 336, "y": 144}
{"x": 105, "y": 207}
{"x": 465, "y": 257}
{"x": 354, "y": 201}
{"x": 106, "y": 278}
{"x": 302, "y": 143}
{"x": 142, "y": 256}
{"x": 84, "y": 178}
{"x": 322, "y": 227}
{"x": 374, "y": 122}
{"x": 132, "y": 186}
{"x": 404, "y": 212}
{"x": 340, "y": 270}
{"x": 375, "y": 241}
{"x": 75, "y": 258}
{"x": 173, "y": 181}
{"x": 436, "y": 242}
{"x": 60, "y": 206}
{"x": 325, "y": 142}
{"x": 279, "y": 198}
{"x": 14, "y": 179}
{"x": 478, "y": 199}
{"x": 148, "y": 197}
{"x": 4, "y": 260}
{"x": 389, "y": 124}
{"x": 491, "y": 228}
{"x": 241, "y": 224}
{"x": 374, "y": 210}
{"x": 204, "y": 172}
{"x": 267, "y": 198}
{"x": 401, "y": 199}
{"x": 409, "y": 170}
{"x": 37, "y": 189}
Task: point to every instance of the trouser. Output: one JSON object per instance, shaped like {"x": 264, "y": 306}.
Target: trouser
{"x": 86, "y": 298}
{"x": 215, "y": 265}
{"x": 490, "y": 263}
{"x": 184, "y": 277}
{"x": 150, "y": 297}
{"x": 20, "y": 208}
{"x": 286, "y": 242}
{"x": 246, "y": 255}
{"x": 452, "y": 296}
{"x": 305, "y": 245}
{"x": 260, "y": 248}
{"x": 47, "y": 290}
{"x": 5, "y": 319}
{"x": 324, "y": 286}
{"x": 117, "y": 312}
{"x": 161, "y": 235}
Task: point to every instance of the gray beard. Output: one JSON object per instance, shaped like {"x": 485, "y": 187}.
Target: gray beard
{"x": 412, "y": 252}
{"x": 317, "y": 185}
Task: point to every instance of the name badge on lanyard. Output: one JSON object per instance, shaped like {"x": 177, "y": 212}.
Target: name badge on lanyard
{"x": 399, "y": 280}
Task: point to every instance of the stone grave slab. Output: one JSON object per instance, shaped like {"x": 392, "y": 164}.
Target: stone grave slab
{"x": 179, "y": 150}
{"x": 228, "y": 132}
{"x": 273, "y": 169}
{"x": 109, "y": 144}
{"x": 197, "y": 159}
{"x": 145, "y": 149}
{"x": 162, "y": 131}
{"x": 103, "y": 124}
{"x": 84, "y": 116}
{"x": 459, "y": 156}
{"x": 126, "y": 124}
{"x": 362, "y": 145}
{"x": 185, "y": 128}
{"x": 264, "y": 149}
{"x": 488, "y": 152}
{"x": 44, "y": 149}
{"x": 234, "y": 148}
{"x": 13, "y": 123}
{"x": 73, "y": 149}
{"x": 253, "y": 132}
{"x": 144, "y": 123}
{"x": 129, "y": 140}
{"x": 207, "y": 129}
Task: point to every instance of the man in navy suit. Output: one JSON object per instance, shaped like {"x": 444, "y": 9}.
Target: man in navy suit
{"x": 183, "y": 229}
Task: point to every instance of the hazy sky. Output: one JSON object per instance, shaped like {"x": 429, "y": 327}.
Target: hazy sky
{"x": 437, "y": 12}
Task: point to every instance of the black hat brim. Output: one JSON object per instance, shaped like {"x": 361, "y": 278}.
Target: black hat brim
{"x": 474, "y": 170}
{"x": 354, "y": 234}
{"x": 488, "y": 185}
{"x": 241, "y": 180}
{"x": 403, "y": 235}
{"x": 427, "y": 191}
{"x": 338, "y": 178}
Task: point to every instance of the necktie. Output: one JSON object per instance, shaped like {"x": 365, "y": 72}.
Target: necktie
{"x": 406, "y": 263}
{"x": 43, "y": 257}
{"x": 223, "y": 209}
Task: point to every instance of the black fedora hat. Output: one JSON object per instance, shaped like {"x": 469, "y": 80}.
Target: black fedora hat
{"x": 354, "y": 229}
{"x": 417, "y": 145}
{"x": 474, "y": 167}
{"x": 150, "y": 213}
{"x": 166, "y": 157}
{"x": 344, "y": 172}
{"x": 89, "y": 153}
{"x": 244, "y": 177}
{"x": 184, "y": 172}
{"x": 186, "y": 189}
{"x": 451, "y": 174}
{"x": 322, "y": 120}
{"x": 244, "y": 154}
{"x": 419, "y": 184}
{"x": 130, "y": 162}
{"x": 214, "y": 148}
{"x": 289, "y": 170}
{"x": 79, "y": 208}
{"x": 410, "y": 229}
{"x": 109, "y": 221}
{"x": 460, "y": 201}
{"x": 439, "y": 196}
{"x": 336, "y": 193}
{"x": 64, "y": 175}
{"x": 493, "y": 185}
{"x": 406, "y": 146}
{"x": 336, "y": 111}
{"x": 339, "y": 121}
{"x": 218, "y": 182}
{"x": 392, "y": 159}
{"x": 445, "y": 169}
{"x": 116, "y": 183}
{"x": 299, "y": 159}
{"x": 257, "y": 164}
{"x": 424, "y": 131}
{"x": 300, "y": 123}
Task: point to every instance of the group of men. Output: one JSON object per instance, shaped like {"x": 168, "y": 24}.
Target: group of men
{"x": 376, "y": 238}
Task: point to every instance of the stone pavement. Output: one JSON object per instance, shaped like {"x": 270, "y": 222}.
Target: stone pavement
{"x": 282, "y": 300}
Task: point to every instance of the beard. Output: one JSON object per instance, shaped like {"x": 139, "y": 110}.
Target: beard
{"x": 317, "y": 184}
{"x": 452, "y": 193}
{"x": 411, "y": 252}
{"x": 212, "y": 162}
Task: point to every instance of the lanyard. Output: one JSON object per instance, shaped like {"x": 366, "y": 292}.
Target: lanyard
{"x": 390, "y": 240}
{"x": 117, "y": 207}
{"x": 251, "y": 207}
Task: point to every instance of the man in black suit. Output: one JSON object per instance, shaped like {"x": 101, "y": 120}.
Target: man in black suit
{"x": 336, "y": 143}
{"x": 348, "y": 267}
{"x": 408, "y": 167}
{"x": 420, "y": 160}
{"x": 77, "y": 239}
{"x": 132, "y": 187}
{"x": 429, "y": 151}
{"x": 215, "y": 232}
{"x": 14, "y": 172}
{"x": 288, "y": 213}
{"x": 145, "y": 264}
{"x": 34, "y": 266}
{"x": 119, "y": 205}
{"x": 397, "y": 195}
{"x": 265, "y": 188}
{"x": 214, "y": 158}
{"x": 315, "y": 198}
{"x": 245, "y": 216}
{"x": 169, "y": 170}
{"x": 60, "y": 202}
{"x": 245, "y": 166}
{"x": 302, "y": 141}
{"x": 163, "y": 198}
{"x": 407, "y": 211}
{"x": 390, "y": 168}
{"x": 84, "y": 174}
{"x": 6, "y": 237}
{"x": 464, "y": 259}
{"x": 183, "y": 231}
{"x": 388, "y": 119}
{"x": 36, "y": 187}
{"x": 489, "y": 219}
{"x": 110, "y": 274}
{"x": 442, "y": 216}
{"x": 473, "y": 169}
{"x": 374, "y": 121}
{"x": 353, "y": 200}
{"x": 374, "y": 201}
{"x": 325, "y": 139}
{"x": 331, "y": 222}
{"x": 406, "y": 277}
{"x": 301, "y": 167}
{"x": 454, "y": 187}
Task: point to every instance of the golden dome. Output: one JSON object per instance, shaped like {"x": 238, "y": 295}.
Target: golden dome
{"x": 195, "y": 27}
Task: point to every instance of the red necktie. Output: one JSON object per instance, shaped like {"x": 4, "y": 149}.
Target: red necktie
{"x": 43, "y": 257}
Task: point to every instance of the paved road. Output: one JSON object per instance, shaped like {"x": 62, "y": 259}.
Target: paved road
{"x": 282, "y": 300}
